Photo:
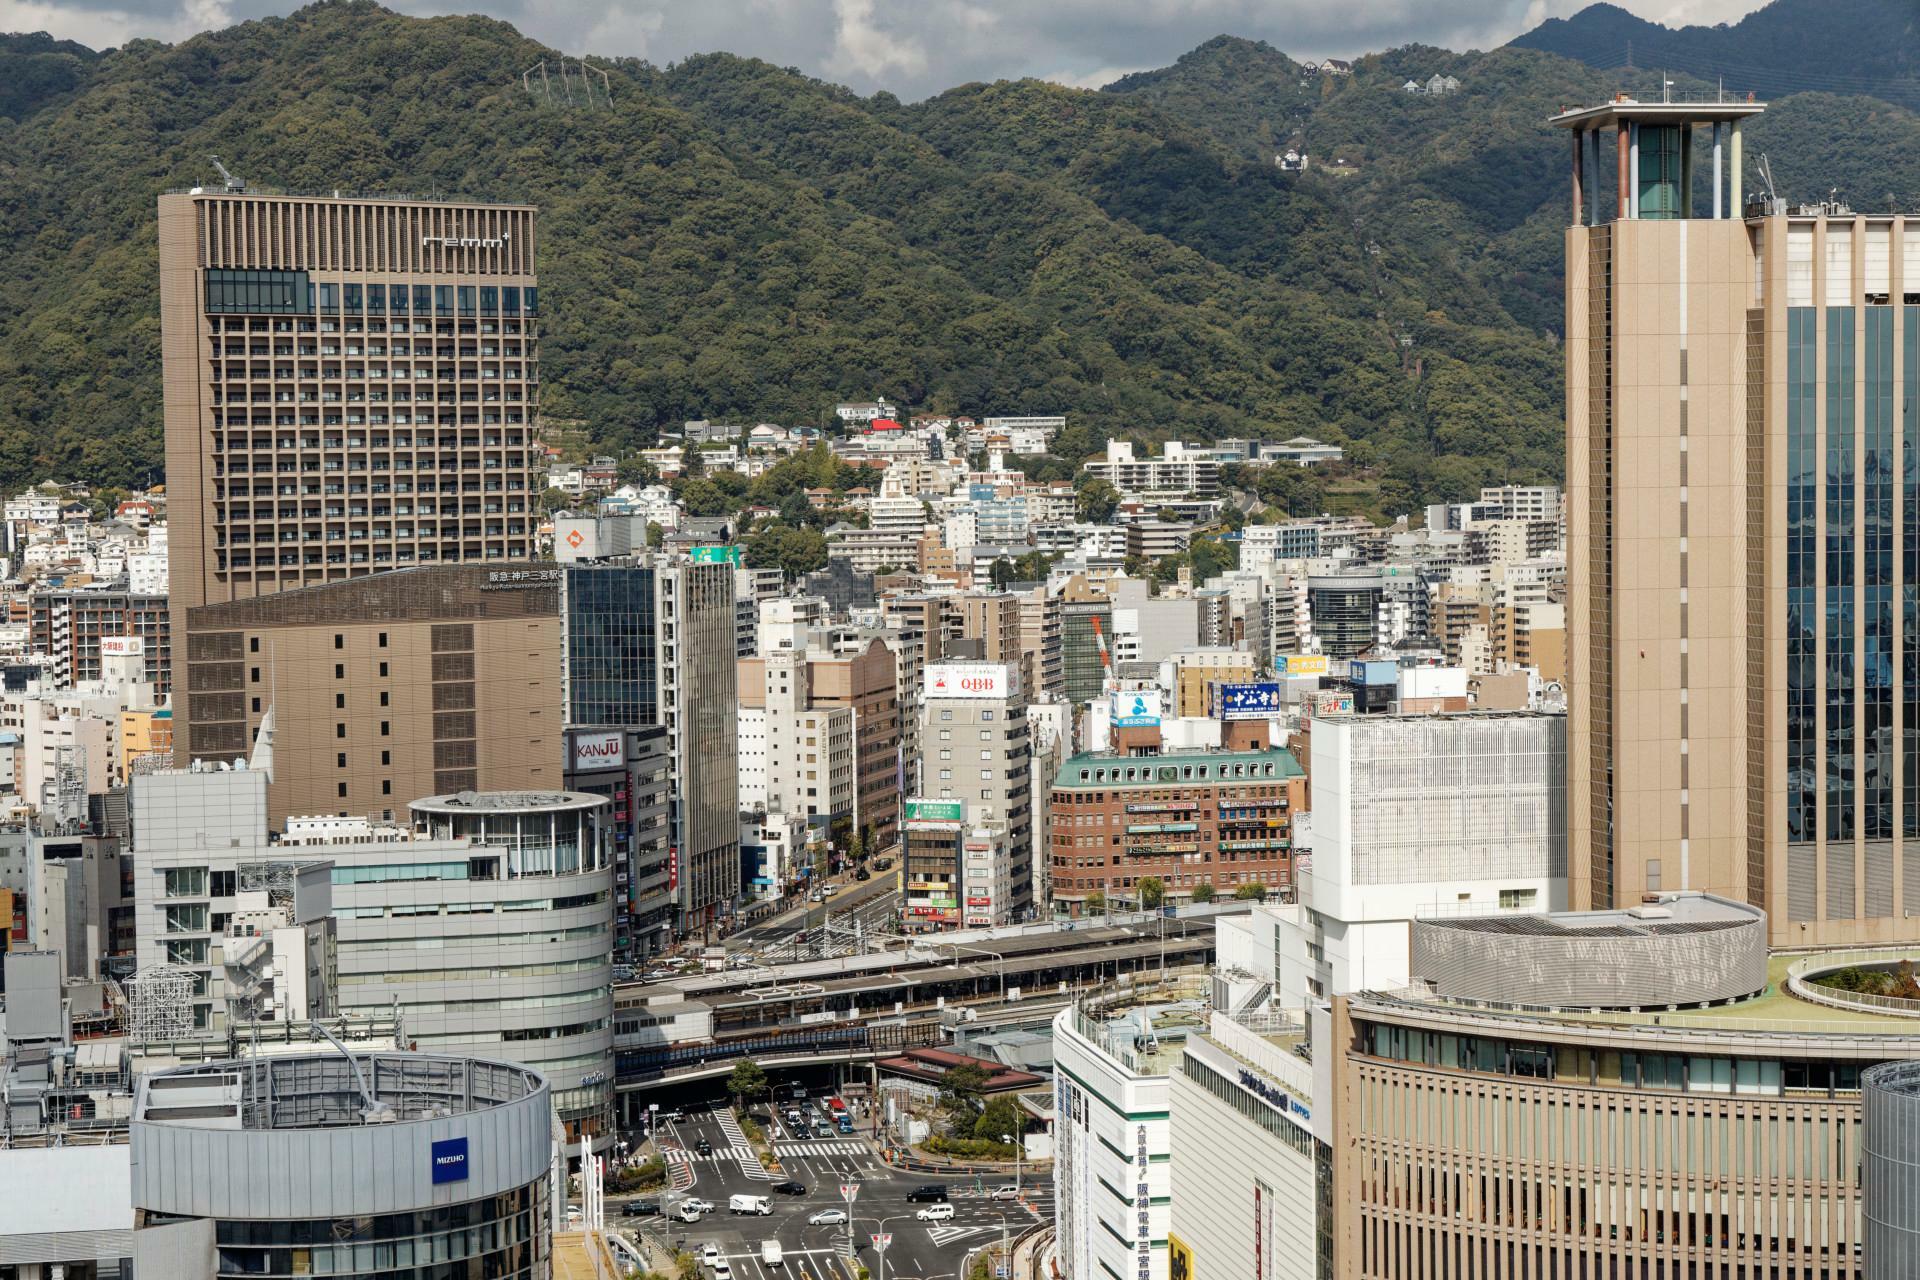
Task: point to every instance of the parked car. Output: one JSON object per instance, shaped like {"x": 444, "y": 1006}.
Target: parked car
{"x": 941, "y": 1212}
{"x": 1006, "y": 1192}
{"x": 828, "y": 1218}
{"x": 790, "y": 1188}
{"x": 932, "y": 1191}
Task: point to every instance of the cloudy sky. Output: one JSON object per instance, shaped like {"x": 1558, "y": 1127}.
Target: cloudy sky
{"x": 913, "y": 47}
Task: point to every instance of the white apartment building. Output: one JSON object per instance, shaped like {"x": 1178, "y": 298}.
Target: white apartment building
{"x": 1180, "y": 472}
{"x": 795, "y": 758}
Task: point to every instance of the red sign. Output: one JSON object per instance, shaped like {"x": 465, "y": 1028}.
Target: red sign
{"x": 673, "y": 868}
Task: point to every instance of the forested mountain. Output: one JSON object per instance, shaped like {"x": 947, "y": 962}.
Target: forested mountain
{"x": 1789, "y": 46}
{"x": 729, "y": 239}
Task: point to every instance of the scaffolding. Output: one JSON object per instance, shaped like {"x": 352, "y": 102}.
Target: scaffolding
{"x": 159, "y": 1005}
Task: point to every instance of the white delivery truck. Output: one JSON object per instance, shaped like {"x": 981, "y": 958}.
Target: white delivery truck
{"x": 762, "y": 1205}
{"x": 770, "y": 1254}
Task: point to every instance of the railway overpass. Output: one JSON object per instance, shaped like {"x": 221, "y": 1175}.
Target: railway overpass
{"x": 858, "y": 1008}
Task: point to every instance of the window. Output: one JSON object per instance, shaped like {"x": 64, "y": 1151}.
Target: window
{"x": 340, "y": 760}
{"x": 385, "y": 728}
{"x": 386, "y": 757}
{"x": 986, "y": 715}
{"x": 220, "y": 884}
{"x": 343, "y": 791}
{"x": 339, "y": 730}
{"x": 339, "y": 702}
{"x": 1517, "y": 899}
{"x": 185, "y": 882}
{"x": 384, "y": 695}
{"x": 339, "y": 641}
{"x": 339, "y": 671}
{"x": 253, "y": 644}
{"x": 253, "y": 675}
{"x": 386, "y": 786}
{"x": 256, "y": 705}
{"x": 383, "y": 639}
{"x": 383, "y": 671}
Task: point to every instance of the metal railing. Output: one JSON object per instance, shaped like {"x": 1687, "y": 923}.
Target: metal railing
{"x": 1799, "y": 983}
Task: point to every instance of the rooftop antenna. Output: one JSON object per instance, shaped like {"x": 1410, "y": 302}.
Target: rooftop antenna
{"x": 232, "y": 183}
{"x": 1766, "y": 176}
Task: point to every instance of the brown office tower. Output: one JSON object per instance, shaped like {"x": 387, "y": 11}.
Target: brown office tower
{"x": 349, "y": 387}
{"x": 386, "y": 688}
{"x": 1743, "y": 415}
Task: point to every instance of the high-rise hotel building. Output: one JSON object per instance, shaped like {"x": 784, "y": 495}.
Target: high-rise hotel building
{"x": 349, "y": 387}
{"x": 1743, "y": 468}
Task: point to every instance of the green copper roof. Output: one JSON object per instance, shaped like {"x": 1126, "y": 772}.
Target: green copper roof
{"x": 1189, "y": 767}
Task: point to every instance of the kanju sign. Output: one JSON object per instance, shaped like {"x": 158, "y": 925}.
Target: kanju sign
{"x": 599, "y": 749}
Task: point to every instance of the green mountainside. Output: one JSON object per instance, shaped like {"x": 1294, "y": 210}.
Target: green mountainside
{"x": 736, "y": 241}
{"x": 1788, "y": 46}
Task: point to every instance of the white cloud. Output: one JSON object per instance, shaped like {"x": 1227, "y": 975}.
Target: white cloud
{"x": 862, "y": 49}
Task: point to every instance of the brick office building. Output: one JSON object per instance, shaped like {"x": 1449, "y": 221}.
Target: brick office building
{"x": 1221, "y": 818}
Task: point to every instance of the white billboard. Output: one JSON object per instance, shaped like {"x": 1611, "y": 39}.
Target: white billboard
{"x": 968, "y": 680}
{"x": 599, "y": 749}
{"x": 1136, "y": 708}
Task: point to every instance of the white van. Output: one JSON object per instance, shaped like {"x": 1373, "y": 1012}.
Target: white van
{"x": 770, "y": 1254}
{"x": 935, "y": 1213}
{"x": 762, "y": 1205}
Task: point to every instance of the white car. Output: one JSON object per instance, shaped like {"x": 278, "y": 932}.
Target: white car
{"x": 1007, "y": 1192}
{"x": 936, "y": 1213}
{"x": 710, "y": 1255}
{"x": 828, "y": 1218}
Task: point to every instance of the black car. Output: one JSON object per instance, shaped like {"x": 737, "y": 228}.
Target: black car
{"x": 790, "y": 1188}
{"x": 704, "y": 1147}
{"x": 863, "y": 874}
{"x": 933, "y": 1192}
{"x": 642, "y": 1208}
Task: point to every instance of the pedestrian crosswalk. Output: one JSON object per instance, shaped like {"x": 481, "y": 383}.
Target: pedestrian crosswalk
{"x": 841, "y": 1148}
{"x": 740, "y": 1149}
{"x": 948, "y": 1234}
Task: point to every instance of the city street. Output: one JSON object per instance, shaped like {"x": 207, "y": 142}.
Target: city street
{"x": 919, "y": 1250}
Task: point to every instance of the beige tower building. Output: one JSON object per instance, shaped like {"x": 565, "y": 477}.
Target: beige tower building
{"x": 349, "y": 387}
{"x": 1743, "y": 385}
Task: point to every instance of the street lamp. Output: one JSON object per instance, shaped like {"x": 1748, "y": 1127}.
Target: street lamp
{"x": 1019, "y": 1149}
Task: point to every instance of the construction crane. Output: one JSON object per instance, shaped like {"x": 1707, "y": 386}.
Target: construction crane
{"x": 1107, "y": 683}
{"x": 232, "y": 183}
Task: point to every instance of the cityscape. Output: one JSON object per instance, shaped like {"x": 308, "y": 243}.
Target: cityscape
{"x": 1037, "y": 817}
